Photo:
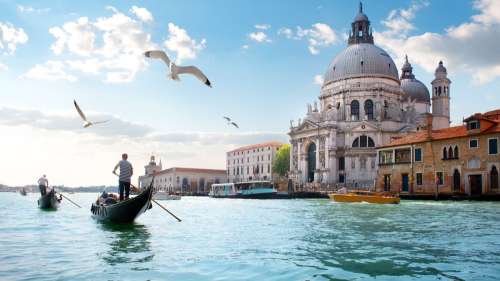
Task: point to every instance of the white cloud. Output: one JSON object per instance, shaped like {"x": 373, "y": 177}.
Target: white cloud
{"x": 318, "y": 80}
{"x": 50, "y": 71}
{"x": 142, "y": 13}
{"x": 182, "y": 44}
{"x": 398, "y": 22}
{"x": 263, "y": 26}
{"x": 320, "y": 35}
{"x": 287, "y": 32}
{"x": 3, "y": 67}
{"x": 112, "y": 46}
{"x": 467, "y": 47}
{"x": 259, "y": 36}
{"x": 10, "y": 37}
{"x": 245, "y": 47}
{"x": 78, "y": 37}
{"x": 30, "y": 9}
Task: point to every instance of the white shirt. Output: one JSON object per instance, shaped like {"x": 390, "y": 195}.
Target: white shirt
{"x": 43, "y": 181}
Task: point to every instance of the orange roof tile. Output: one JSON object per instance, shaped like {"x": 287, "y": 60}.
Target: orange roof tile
{"x": 447, "y": 133}
{"x": 259, "y": 145}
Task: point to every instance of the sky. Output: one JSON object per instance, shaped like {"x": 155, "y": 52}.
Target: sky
{"x": 265, "y": 60}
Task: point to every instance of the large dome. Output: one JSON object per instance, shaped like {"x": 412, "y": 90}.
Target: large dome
{"x": 361, "y": 60}
{"x": 415, "y": 90}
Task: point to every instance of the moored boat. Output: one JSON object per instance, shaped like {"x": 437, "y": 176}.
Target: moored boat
{"x": 246, "y": 190}
{"x": 161, "y": 195}
{"x": 365, "y": 196}
{"x": 49, "y": 201}
{"x": 23, "y": 192}
{"x": 125, "y": 211}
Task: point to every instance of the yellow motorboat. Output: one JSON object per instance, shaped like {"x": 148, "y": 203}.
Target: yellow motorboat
{"x": 369, "y": 197}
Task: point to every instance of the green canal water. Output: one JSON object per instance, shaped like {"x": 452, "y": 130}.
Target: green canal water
{"x": 224, "y": 239}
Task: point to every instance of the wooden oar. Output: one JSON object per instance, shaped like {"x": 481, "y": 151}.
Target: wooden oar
{"x": 138, "y": 190}
{"x": 69, "y": 199}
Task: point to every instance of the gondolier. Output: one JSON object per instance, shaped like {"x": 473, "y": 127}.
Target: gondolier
{"x": 43, "y": 184}
{"x": 126, "y": 172}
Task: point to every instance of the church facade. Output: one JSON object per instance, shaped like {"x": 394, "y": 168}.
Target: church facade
{"x": 363, "y": 104}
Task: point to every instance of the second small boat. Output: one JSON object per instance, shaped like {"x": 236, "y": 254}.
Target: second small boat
{"x": 364, "y": 196}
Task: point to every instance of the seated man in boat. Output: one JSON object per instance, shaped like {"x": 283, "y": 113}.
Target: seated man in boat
{"x": 126, "y": 172}
{"x": 43, "y": 183}
{"x": 106, "y": 198}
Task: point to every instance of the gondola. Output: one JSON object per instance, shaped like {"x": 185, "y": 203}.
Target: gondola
{"x": 23, "y": 192}
{"x": 124, "y": 211}
{"x": 48, "y": 201}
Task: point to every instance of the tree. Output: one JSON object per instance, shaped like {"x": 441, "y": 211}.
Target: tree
{"x": 281, "y": 164}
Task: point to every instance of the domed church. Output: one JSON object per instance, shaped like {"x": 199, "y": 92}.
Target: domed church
{"x": 363, "y": 104}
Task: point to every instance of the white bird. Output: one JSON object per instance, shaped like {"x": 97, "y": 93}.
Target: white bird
{"x": 86, "y": 123}
{"x": 234, "y": 124}
{"x": 176, "y": 70}
{"x": 227, "y": 119}
{"x": 230, "y": 122}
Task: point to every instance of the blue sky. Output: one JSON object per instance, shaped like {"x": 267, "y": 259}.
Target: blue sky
{"x": 262, "y": 82}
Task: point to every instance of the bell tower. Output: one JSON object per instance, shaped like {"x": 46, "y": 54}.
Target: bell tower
{"x": 441, "y": 98}
{"x": 360, "y": 29}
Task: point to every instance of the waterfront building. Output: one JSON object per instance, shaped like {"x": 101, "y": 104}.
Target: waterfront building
{"x": 181, "y": 180}
{"x": 458, "y": 160}
{"x": 363, "y": 103}
{"x": 252, "y": 162}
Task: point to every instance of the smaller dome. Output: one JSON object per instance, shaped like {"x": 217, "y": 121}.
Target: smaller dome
{"x": 415, "y": 90}
{"x": 411, "y": 87}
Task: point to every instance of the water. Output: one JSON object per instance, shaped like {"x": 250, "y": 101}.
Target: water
{"x": 223, "y": 239}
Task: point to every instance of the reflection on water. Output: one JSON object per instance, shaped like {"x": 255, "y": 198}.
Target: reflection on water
{"x": 128, "y": 244}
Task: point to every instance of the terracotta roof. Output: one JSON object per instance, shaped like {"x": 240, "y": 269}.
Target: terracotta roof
{"x": 447, "y": 133}
{"x": 192, "y": 170}
{"x": 259, "y": 145}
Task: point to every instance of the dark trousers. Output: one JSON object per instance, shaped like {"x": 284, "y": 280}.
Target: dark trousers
{"x": 123, "y": 185}
{"x": 43, "y": 189}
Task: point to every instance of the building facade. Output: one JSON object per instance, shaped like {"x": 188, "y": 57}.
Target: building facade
{"x": 458, "y": 160}
{"x": 363, "y": 103}
{"x": 252, "y": 162}
{"x": 181, "y": 180}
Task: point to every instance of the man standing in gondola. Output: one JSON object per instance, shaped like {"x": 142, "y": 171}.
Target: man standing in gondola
{"x": 43, "y": 184}
{"x": 126, "y": 172}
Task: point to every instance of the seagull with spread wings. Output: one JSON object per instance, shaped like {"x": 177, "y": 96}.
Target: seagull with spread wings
{"x": 230, "y": 121}
{"x": 176, "y": 70}
{"x": 86, "y": 122}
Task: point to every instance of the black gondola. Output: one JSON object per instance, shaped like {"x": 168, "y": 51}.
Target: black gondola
{"x": 124, "y": 211}
{"x": 48, "y": 201}
{"x": 23, "y": 192}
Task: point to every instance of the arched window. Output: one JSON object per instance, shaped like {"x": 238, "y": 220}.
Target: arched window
{"x": 450, "y": 153}
{"x": 369, "y": 109}
{"x": 363, "y": 141}
{"x": 445, "y": 154}
{"x": 494, "y": 178}
{"x": 355, "y": 110}
{"x": 456, "y": 181}
{"x": 455, "y": 152}
{"x": 355, "y": 143}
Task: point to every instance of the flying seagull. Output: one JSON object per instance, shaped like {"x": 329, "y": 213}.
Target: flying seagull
{"x": 175, "y": 70}
{"x": 230, "y": 122}
{"x": 86, "y": 123}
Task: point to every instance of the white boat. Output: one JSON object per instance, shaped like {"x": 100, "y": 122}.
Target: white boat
{"x": 161, "y": 195}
